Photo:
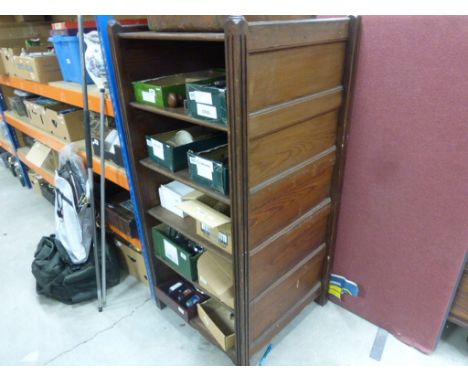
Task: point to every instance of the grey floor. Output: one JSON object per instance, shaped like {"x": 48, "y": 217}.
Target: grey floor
{"x": 132, "y": 331}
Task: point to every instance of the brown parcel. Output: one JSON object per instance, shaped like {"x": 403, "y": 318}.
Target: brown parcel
{"x": 219, "y": 321}
{"x": 67, "y": 126}
{"x": 42, "y": 156}
{"x": 42, "y": 68}
{"x": 133, "y": 261}
{"x": 215, "y": 274}
{"x": 36, "y": 114}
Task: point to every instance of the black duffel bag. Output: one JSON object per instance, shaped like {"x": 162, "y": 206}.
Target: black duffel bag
{"x": 58, "y": 278}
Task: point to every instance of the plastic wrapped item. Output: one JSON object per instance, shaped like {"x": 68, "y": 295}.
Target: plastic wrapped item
{"x": 95, "y": 65}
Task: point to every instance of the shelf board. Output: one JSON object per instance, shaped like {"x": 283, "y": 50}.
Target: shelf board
{"x": 197, "y": 324}
{"x": 195, "y": 284}
{"x": 177, "y": 36}
{"x": 5, "y": 145}
{"x": 184, "y": 177}
{"x": 67, "y": 92}
{"x": 186, "y": 226}
{"x": 179, "y": 113}
{"x": 134, "y": 242}
{"x": 113, "y": 173}
{"x": 46, "y": 174}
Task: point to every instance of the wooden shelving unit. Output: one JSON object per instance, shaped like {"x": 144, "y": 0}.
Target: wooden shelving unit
{"x": 289, "y": 86}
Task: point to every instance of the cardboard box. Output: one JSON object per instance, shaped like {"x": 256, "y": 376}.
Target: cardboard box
{"x": 38, "y": 67}
{"x": 212, "y": 220}
{"x": 42, "y": 156}
{"x": 210, "y": 168}
{"x": 65, "y": 122}
{"x": 174, "y": 193}
{"x": 208, "y": 101}
{"x": 36, "y": 182}
{"x": 133, "y": 261}
{"x": 121, "y": 217}
{"x": 174, "y": 254}
{"x": 215, "y": 274}
{"x": 36, "y": 110}
{"x": 169, "y": 151}
{"x": 219, "y": 321}
{"x": 7, "y": 57}
{"x": 155, "y": 91}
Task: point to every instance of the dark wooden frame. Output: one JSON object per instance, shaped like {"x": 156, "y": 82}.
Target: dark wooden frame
{"x": 242, "y": 41}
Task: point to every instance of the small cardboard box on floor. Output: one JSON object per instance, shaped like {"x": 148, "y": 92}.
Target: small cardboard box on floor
{"x": 219, "y": 321}
{"x": 132, "y": 260}
{"x": 212, "y": 220}
{"x": 42, "y": 156}
{"x": 65, "y": 122}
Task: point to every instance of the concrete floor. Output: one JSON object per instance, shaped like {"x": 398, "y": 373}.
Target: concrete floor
{"x": 132, "y": 331}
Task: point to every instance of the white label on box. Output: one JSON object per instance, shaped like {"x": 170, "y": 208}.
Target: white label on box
{"x": 171, "y": 252}
{"x": 222, "y": 238}
{"x": 203, "y": 97}
{"x": 191, "y": 96}
{"x": 180, "y": 310}
{"x": 206, "y": 228}
{"x": 183, "y": 256}
{"x": 158, "y": 149}
{"x": 149, "y": 96}
{"x": 204, "y": 168}
{"x": 207, "y": 111}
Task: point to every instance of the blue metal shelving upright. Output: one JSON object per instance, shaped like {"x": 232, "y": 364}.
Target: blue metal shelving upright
{"x": 102, "y": 23}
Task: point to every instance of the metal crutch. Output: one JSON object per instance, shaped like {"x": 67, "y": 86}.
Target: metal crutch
{"x": 89, "y": 158}
{"x": 103, "y": 195}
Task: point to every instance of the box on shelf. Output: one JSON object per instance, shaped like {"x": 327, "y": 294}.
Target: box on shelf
{"x": 215, "y": 275}
{"x": 65, "y": 122}
{"x": 212, "y": 220}
{"x": 169, "y": 149}
{"x": 36, "y": 110}
{"x": 169, "y": 91}
{"x": 132, "y": 261}
{"x": 176, "y": 253}
{"x": 208, "y": 101}
{"x": 68, "y": 55}
{"x": 16, "y": 101}
{"x": 174, "y": 193}
{"x": 121, "y": 216}
{"x": 38, "y": 67}
{"x": 219, "y": 321}
{"x": 7, "y": 55}
{"x": 112, "y": 149}
{"x": 210, "y": 168}
{"x": 43, "y": 156}
{"x": 179, "y": 295}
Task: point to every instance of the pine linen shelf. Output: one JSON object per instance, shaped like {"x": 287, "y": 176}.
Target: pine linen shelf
{"x": 289, "y": 89}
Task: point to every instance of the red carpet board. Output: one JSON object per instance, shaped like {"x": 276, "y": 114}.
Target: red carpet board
{"x": 403, "y": 228}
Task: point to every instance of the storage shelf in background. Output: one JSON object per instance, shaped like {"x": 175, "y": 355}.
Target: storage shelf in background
{"x": 184, "y": 177}
{"x": 46, "y": 174}
{"x": 113, "y": 173}
{"x": 179, "y": 113}
{"x": 173, "y": 36}
{"x": 6, "y": 146}
{"x": 62, "y": 91}
{"x": 186, "y": 226}
{"x": 196, "y": 284}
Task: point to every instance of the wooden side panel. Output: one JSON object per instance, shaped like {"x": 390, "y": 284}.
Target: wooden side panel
{"x": 277, "y": 205}
{"x": 282, "y": 75}
{"x": 460, "y": 304}
{"x": 274, "y": 259}
{"x": 274, "y": 153}
{"x": 271, "y": 305}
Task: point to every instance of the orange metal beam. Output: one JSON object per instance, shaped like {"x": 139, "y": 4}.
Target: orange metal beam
{"x": 47, "y": 175}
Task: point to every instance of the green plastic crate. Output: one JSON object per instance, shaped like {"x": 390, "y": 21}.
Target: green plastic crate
{"x": 171, "y": 253}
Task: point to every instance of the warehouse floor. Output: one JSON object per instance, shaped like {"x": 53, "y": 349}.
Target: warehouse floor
{"x": 132, "y": 331}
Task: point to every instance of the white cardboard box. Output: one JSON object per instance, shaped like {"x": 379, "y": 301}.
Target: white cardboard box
{"x": 174, "y": 193}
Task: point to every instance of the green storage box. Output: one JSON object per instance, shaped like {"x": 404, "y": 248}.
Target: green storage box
{"x": 173, "y": 254}
{"x": 208, "y": 101}
{"x": 163, "y": 148}
{"x": 155, "y": 91}
{"x": 210, "y": 168}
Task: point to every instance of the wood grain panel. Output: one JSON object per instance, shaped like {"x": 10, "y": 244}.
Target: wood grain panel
{"x": 277, "y": 152}
{"x": 279, "y": 76}
{"x": 460, "y": 304}
{"x": 277, "y": 117}
{"x": 273, "y": 260}
{"x": 267, "y": 35}
{"x": 277, "y": 205}
{"x": 268, "y": 307}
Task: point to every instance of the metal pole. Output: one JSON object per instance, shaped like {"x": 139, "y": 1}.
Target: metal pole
{"x": 89, "y": 158}
{"x": 103, "y": 196}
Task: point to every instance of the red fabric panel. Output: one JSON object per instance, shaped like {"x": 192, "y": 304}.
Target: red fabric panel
{"x": 403, "y": 228}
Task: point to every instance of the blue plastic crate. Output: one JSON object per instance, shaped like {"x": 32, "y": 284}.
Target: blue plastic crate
{"x": 67, "y": 49}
